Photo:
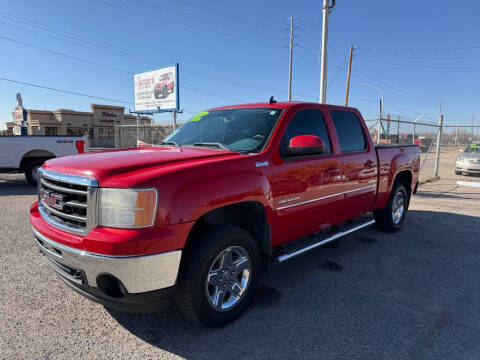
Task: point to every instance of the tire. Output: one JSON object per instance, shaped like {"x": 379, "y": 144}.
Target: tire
{"x": 202, "y": 270}
{"x": 392, "y": 216}
{"x": 31, "y": 171}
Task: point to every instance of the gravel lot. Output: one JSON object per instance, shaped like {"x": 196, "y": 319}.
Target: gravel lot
{"x": 410, "y": 295}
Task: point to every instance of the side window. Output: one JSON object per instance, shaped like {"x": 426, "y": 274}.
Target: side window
{"x": 349, "y": 131}
{"x": 307, "y": 122}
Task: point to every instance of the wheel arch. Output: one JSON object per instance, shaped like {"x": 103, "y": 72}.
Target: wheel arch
{"x": 248, "y": 215}
{"x": 35, "y": 154}
{"x": 404, "y": 176}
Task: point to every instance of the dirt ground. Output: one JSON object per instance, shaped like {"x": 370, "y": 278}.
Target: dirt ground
{"x": 409, "y": 295}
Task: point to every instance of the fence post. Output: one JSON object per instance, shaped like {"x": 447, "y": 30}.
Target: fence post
{"x": 439, "y": 139}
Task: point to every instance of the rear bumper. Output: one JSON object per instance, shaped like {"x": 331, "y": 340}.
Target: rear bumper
{"x": 143, "y": 283}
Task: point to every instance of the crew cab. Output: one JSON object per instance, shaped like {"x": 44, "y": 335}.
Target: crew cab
{"x": 165, "y": 86}
{"x": 232, "y": 192}
{"x": 28, "y": 153}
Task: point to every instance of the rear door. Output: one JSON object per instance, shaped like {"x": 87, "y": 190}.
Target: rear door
{"x": 306, "y": 189}
{"x": 358, "y": 163}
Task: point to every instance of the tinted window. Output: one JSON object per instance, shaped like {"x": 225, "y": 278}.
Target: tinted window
{"x": 307, "y": 122}
{"x": 349, "y": 131}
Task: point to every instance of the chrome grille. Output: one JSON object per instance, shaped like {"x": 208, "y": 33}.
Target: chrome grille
{"x": 67, "y": 201}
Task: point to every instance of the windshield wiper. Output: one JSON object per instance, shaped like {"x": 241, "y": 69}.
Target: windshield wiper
{"x": 169, "y": 143}
{"x": 210, "y": 144}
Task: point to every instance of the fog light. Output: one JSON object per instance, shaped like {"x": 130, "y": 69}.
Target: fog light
{"x": 111, "y": 286}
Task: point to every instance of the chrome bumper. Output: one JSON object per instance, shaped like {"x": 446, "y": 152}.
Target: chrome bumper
{"x": 467, "y": 166}
{"x": 138, "y": 274}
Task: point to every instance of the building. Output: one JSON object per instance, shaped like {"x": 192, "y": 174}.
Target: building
{"x": 9, "y": 130}
{"x": 99, "y": 124}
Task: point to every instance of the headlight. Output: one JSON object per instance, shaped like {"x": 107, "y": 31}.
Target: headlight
{"x": 461, "y": 159}
{"x": 127, "y": 208}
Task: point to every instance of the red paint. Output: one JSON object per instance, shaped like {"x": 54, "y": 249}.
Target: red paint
{"x": 80, "y": 145}
{"x": 306, "y": 141}
{"x": 193, "y": 181}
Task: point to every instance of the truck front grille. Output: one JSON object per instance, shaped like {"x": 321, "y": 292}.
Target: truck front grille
{"x": 66, "y": 201}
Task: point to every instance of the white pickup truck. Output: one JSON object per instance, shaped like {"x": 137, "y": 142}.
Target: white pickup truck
{"x": 28, "y": 153}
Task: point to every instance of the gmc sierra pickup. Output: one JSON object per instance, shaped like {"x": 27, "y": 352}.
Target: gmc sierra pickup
{"x": 200, "y": 216}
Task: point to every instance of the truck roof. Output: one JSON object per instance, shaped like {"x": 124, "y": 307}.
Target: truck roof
{"x": 281, "y": 105}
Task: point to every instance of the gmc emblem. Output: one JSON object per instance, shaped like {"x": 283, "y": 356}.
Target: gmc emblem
{"x": 51, "y": 199}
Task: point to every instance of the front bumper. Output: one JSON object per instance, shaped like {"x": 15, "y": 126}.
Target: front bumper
{"x": 144, "y": 280}
{"x": 468, "y": 167}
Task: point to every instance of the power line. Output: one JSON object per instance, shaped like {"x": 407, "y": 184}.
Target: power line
{"x": 84, "y": 41}
{"x": 109, "y": 67}
{"x": 340, "y": 68}
{"x": 211, "y": 10}
{"x": 424, "y": 66}
{"x": 418, "y": 57}
{"x": 65, "y": 91}
{"x": 226, "y": 25}
{"x": 66, "y": 55}
{"x": 420, "y": 49}
{"x": 79, "y": 94}
{"x": 182, "y": 23}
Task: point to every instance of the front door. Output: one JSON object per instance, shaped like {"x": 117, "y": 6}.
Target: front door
{"x": 306, "y": 189}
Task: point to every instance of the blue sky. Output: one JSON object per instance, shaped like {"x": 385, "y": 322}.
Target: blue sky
{"x": 233, "y": 52}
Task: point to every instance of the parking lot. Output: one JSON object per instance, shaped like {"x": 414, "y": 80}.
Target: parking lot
{"x": 409, "y": 295}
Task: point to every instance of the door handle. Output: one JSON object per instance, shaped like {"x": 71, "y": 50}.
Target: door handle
{"x": 332, "y": 169}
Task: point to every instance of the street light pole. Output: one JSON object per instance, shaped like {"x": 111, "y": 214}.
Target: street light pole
{"x": 323, "y": 64}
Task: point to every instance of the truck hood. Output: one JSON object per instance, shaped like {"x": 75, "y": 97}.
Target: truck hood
{"x": 106, "y": 165}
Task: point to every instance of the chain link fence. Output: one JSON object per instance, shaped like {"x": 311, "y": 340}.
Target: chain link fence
{"x": 127, "y": 135}
{"x": 392, "y": 131}
{"x": 425, "y": 135}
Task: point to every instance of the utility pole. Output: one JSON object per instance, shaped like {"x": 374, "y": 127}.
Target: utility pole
{"x": 174, "y": 125}
{"x": 174, "y": 120}
{"x": 138, "y": 125}
{"x": 439, "y": 139}
{"x": 323, "y": 64}
{"x": 348, "y": 75}
{"x": 291, "y": 60}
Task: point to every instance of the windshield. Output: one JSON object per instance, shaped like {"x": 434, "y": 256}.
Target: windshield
{"x": 473, "y": 148}
{"x": 242, "y": 130}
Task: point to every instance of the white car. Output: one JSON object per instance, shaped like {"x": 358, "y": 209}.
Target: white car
{"x": 469, "y": 161}
{"x": 28, "y": 153}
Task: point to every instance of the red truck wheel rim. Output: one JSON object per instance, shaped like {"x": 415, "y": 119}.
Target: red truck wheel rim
{"x": 228, "y": 278}
{"x": 398, "y": 207}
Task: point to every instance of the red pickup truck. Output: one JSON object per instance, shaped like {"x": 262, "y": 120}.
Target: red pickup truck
{"x": 200, "y": 216}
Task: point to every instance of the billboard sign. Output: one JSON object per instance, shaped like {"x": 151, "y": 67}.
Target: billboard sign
{"x": 157, "y": 90}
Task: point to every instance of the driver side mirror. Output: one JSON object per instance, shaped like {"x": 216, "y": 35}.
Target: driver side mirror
{"x": 305, "y": 145}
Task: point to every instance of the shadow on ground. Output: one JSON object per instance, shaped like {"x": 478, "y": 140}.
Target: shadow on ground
{"x": 406, "y": 295}
{"x": 15, "y": 184}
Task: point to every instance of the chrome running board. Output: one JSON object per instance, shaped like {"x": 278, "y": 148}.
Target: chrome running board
{"x": 321, "y": 240}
